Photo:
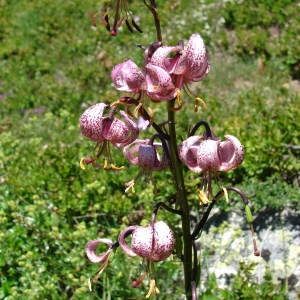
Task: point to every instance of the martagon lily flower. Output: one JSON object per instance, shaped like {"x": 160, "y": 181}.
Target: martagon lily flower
{"x": 155, "y": 81}
{"x": 144, "y": 153}
{"x": 105, "y": 130}
{"x": 189, "y": 64}
{"x": 201, "y": 155}
{"x": 152, "y": 243}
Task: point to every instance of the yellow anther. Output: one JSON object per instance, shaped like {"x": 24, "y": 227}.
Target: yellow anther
{"x": 116, "y": 103}
{"x": 178, "y": 98}
{"x": 152, "y": 289}
{"x": 202, "y": 197}
{"x": 105, "y": 164}
{"x": 82, "y": 163}
{"x": 155, "y": 87}
{"x": 197, "y": 101}
{"x": 116, "y": 168}
{"x": 130, "y": 185}
{"x": 136, "y": 110}
{"x": 151, "y": 114}
{"x": 225, "y": 194}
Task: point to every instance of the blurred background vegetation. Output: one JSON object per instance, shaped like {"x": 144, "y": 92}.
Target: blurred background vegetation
{"x": 54, "y": 65}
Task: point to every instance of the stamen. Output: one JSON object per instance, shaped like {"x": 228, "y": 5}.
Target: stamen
{"x": 152, "y": 289}
{"x": 130, "y": 185}
{"x": 178, "y": 98}
{"x": 82, "y": 163}
{"x": 116, "y": 103}
{"x": 105, "y": 164}
{"x": 136, "y": 283}
{"x": 225, "y": 194}
{"x": 199, "y": 100}
{"x": 203, "y": 198}
{"x": 115, "y": 168}
{"x": 93, "y": 19}
{"x": 128, "y": 26}
{"x": 136, "y": 110}
{"x": 151, "y": 115}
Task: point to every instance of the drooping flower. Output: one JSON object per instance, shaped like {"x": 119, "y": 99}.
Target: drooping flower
{"x": 145, "y": 153}
{"x": 154, "y": 242}
{"x": 128, "y": 77}
{"x": 201, "y": 155}
{"x": 155, "y": 81}
{"x": 103, "y": 130}
{"x": 188, "y": 64}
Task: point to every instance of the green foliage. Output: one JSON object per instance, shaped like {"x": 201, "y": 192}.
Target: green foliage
{"x": 54, "y": 65}
{"x": 242, "y": 286}
{"x": 264, "y": 29}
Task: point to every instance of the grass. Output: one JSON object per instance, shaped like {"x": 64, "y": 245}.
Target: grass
{"x": 53, "y": 66}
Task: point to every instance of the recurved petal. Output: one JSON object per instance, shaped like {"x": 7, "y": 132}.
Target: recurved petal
{"x": 231, "y": 153}
{"x": 199, "y": 62}
{"x": 193, "y": 64}
{"x": 92, "y": 122}
{"x": 90, "y": 250}
{"x": 147, "y": 156}
{"x": 160, "y": 58}
{"x": 207, "y": 155}
{"x": 159, "y": 84}
{"x": 128, "y": 77}
{"x": 131, "y": 151}
{"x": 187, "y": 152}
{"x": 127, "y": 231}
{"x": 121, "y": 133}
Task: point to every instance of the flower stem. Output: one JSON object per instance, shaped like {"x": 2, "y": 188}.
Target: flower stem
{"x": 181, "y": 201}
{"x": 153, "y": 8}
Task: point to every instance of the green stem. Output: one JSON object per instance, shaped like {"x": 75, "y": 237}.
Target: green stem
{"x": 181, "y": 201}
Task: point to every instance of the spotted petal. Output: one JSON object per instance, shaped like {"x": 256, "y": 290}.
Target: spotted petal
{"x": 160, "y": 58}
{"x": 92, "y": 122}
{"x": 193, "y": 65}
{"x": 127, "y": 77}
{"x": 187, "y": 152}
{"x": 207, "y": 155}
{"x": 121, "y": 133}
{"x": 231, "y": 153}
{"x": 131, "y": 152}
{"x": 159, "y": 84}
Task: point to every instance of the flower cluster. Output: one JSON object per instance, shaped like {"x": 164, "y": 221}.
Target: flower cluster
{"x": 162, "y": 76}
{"x": 165, "y": 72}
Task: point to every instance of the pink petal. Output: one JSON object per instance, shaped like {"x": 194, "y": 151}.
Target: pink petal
{"x": 159, "y": 84}
{"x": 127, "y": 77}
{"x": 147, "y": 156}
{"x": 121, "y": 133}
{"x": 187, "y": 152}
{"x": 155, "y": 247}
{"x": 91, "y": 122}
{"x": 122, "y": 243}
{"x": 193, "y": 65}
{"x": 207, "y": 155}
{"x": 160, "y": 58}
{"x": 90, "y": 249}
{"x": 231, "y": 153}
{"x": 131, "y": 151}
